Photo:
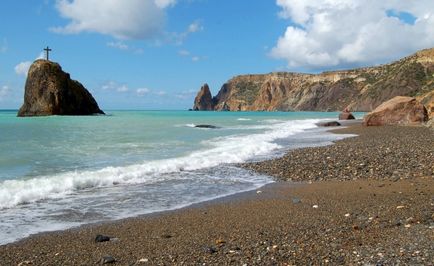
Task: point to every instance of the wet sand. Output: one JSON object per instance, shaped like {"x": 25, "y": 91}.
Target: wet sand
{"x": 339, "y": 212}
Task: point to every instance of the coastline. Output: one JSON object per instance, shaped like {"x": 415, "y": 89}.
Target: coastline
{"x": 278, "y": 225}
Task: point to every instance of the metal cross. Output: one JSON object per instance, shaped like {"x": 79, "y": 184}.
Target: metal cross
{"x": 47, "y": 51}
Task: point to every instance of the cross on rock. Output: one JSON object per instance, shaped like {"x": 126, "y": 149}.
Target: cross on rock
{"x": 47, "y": 52}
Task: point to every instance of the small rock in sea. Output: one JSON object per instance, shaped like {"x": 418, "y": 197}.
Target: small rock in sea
{"x": 315, "y": 206}
{"x": 101, "y": 238}
{"x": 210, "y": 250}
{"x": 206, "y": 126}
{"x": 107, "y": 260}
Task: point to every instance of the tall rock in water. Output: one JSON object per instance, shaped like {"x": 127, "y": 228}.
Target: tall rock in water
{"x": 203, "y": 100}
{"x": 50, "y": 91}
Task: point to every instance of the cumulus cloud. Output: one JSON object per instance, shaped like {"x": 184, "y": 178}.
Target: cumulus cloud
{"x": 122, "y": 19}
{"x": 333, "y": 33}
{"x": 23, "y": 68}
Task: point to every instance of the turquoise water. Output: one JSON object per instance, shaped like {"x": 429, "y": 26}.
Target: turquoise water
{"x": 57, "y": 172}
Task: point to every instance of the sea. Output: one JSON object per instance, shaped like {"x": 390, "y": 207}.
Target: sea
{"x": 59, "y": 172}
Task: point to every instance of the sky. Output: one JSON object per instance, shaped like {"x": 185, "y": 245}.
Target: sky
{"x": 156, "y": 54}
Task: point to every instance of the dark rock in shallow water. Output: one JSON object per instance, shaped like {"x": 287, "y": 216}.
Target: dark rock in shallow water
{"x": 50, "y": 91}
{"x": 205, "y": 126}
{"x": 346, "y": 115}
{"x": 329, "y": 124}
{"x": 101, "y": 238}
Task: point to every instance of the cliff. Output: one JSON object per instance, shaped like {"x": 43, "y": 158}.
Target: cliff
{"x": 50, "y": 91}
{"x": 360, "y": 89}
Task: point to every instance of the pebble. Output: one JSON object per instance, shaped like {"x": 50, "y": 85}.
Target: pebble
{"x": 101, "y": 238}
{"x": 144, "y": 260}
{"x": 347, "y": 215}
{"x": 210, "y": 250}
{"x": 400, "y": 207}
{"x": 315, "y": 206}
{"x": 107, "y": 260}
{"x": 296, "y": 200}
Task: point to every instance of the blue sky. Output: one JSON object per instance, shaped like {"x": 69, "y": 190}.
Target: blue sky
{"x": 155, "y": 54}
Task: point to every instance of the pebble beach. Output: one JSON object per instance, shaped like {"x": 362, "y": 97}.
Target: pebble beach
{"x": 366, "y": 200}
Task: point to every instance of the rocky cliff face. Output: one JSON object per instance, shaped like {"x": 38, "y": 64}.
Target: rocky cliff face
{"x": 358, "y": 90}
{"x": 203, "y": 100}
{"x": 50, "y": 91}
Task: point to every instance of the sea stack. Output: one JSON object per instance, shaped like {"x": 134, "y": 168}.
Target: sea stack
{"x": 50, "y": 91}
{"x": 203, "y": 100}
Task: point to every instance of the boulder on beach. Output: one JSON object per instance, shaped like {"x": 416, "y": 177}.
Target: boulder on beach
{"x": 397, "y": 111}
{"x": 50, "y": 91}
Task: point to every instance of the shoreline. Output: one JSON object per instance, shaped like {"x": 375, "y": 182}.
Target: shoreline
{"x": 187, "y": 233}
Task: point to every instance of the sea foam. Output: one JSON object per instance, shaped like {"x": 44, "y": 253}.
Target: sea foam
{"x": 221, "y": 150}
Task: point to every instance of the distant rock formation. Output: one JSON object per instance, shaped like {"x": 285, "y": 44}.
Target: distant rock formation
{"x": 203, "y": 100}
{"x": 360, "y": 89}
{"x": 50, "y": 91}
{"x": 397, "y": 111}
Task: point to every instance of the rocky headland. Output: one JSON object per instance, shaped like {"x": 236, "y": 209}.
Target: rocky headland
{"x": 360, "y": 89}
{"x": 50, "y": 91}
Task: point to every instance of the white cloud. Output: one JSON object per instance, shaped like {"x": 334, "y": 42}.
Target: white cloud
{"x": 142, "y": 91}
{"x": 145, "y": 91}
{"x": 195, "y": 27}
{"x": 165, "y": 3}
{"x": 188, "y": 94}
{"x": 184, "y": 53}
{"x": 195, "y": 58}
{"x": 122, "y": 19}
{"x": 4, "y": 91}
{"x": 179, "y": 38}
{"x": 4, "y": 46}
{"x": 118, "y": 45}
{"x": 23, "y": 68}
{"x": 114, "y": 86}
{"x": 352, "y": 32}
